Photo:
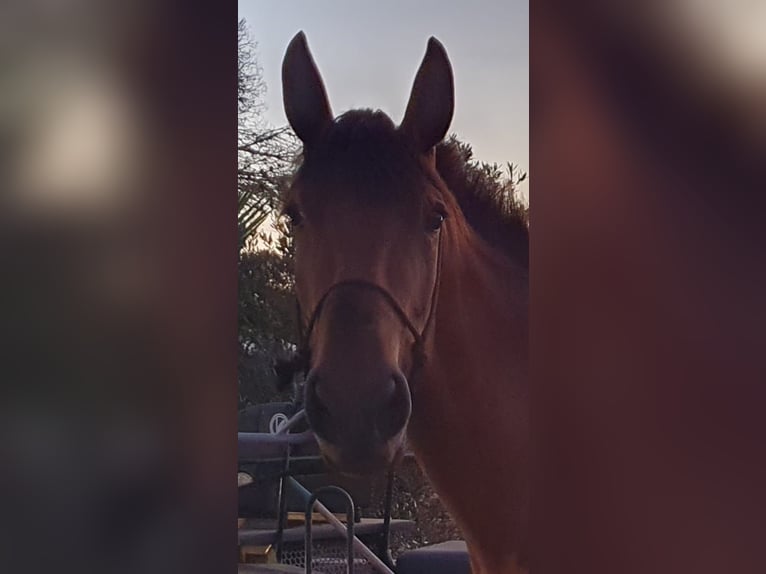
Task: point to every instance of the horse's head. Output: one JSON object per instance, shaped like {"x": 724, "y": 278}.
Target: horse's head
{"x": 367, "y": 213}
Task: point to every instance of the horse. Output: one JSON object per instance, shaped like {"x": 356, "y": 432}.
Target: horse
{"x": 412, "y": 286}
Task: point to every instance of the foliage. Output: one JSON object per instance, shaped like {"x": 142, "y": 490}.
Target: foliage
{"x": 267, "y": 316}
{"x": 266, "y": 310}
{"x": 265, "y": 154}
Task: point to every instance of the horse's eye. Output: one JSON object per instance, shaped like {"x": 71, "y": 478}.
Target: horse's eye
{"x": 435, "y": 220}
{"x": 293, "y": 214}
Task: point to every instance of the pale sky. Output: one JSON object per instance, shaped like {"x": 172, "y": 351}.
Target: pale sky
{"x": 368, "y": 54}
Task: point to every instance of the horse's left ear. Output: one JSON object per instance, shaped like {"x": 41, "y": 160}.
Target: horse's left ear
{"x": 432, "y": 100}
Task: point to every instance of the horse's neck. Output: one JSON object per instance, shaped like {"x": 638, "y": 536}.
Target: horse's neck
{"x": 482, "y": 315}
{"x": 470, "y": 425}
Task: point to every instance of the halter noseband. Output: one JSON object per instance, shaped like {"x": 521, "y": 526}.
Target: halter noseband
{"x": 285, "y": 369}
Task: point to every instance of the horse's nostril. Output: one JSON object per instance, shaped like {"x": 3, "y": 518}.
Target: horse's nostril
{"x": 317, "y": 412}
{"x": 312, "y": 395}
{"x": 394, "y": 415}
{"x": 313, "y": 400}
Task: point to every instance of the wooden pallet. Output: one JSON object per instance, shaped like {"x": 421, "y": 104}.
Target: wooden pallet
{"x": 252, "y": 554}
{"x": 297, "y": 518}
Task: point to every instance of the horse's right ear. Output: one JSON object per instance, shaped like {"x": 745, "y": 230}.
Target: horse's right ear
{"x": 306, "y": 104}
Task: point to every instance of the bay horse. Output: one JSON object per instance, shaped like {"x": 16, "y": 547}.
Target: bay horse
{"x": 412, "y": 285}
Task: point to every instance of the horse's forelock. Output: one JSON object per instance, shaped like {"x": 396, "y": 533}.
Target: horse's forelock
{"x": 363, "y": 153}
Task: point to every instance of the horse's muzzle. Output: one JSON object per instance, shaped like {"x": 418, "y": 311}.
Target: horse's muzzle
{"x": 359, "y": 432}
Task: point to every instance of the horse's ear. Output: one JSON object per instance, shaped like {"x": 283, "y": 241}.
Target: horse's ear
{"x": 432, "y": 101}
{"x": 306, "y": 104}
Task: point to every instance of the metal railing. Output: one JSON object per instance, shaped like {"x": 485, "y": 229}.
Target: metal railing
{"x": 279, "y": 446}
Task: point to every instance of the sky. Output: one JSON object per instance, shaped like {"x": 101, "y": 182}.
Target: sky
{"x": 368, "y": 54}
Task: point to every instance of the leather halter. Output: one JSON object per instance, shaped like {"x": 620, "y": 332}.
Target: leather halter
{"x": 285, "y": 369}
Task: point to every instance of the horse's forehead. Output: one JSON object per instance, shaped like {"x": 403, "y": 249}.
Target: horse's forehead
{"x": 357, "y": 213}
{"x": 355, "y": 191}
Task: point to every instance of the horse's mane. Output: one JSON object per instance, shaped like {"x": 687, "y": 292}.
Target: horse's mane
{"x": 358, "y": 140}
{"x": 490, "y": 206}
